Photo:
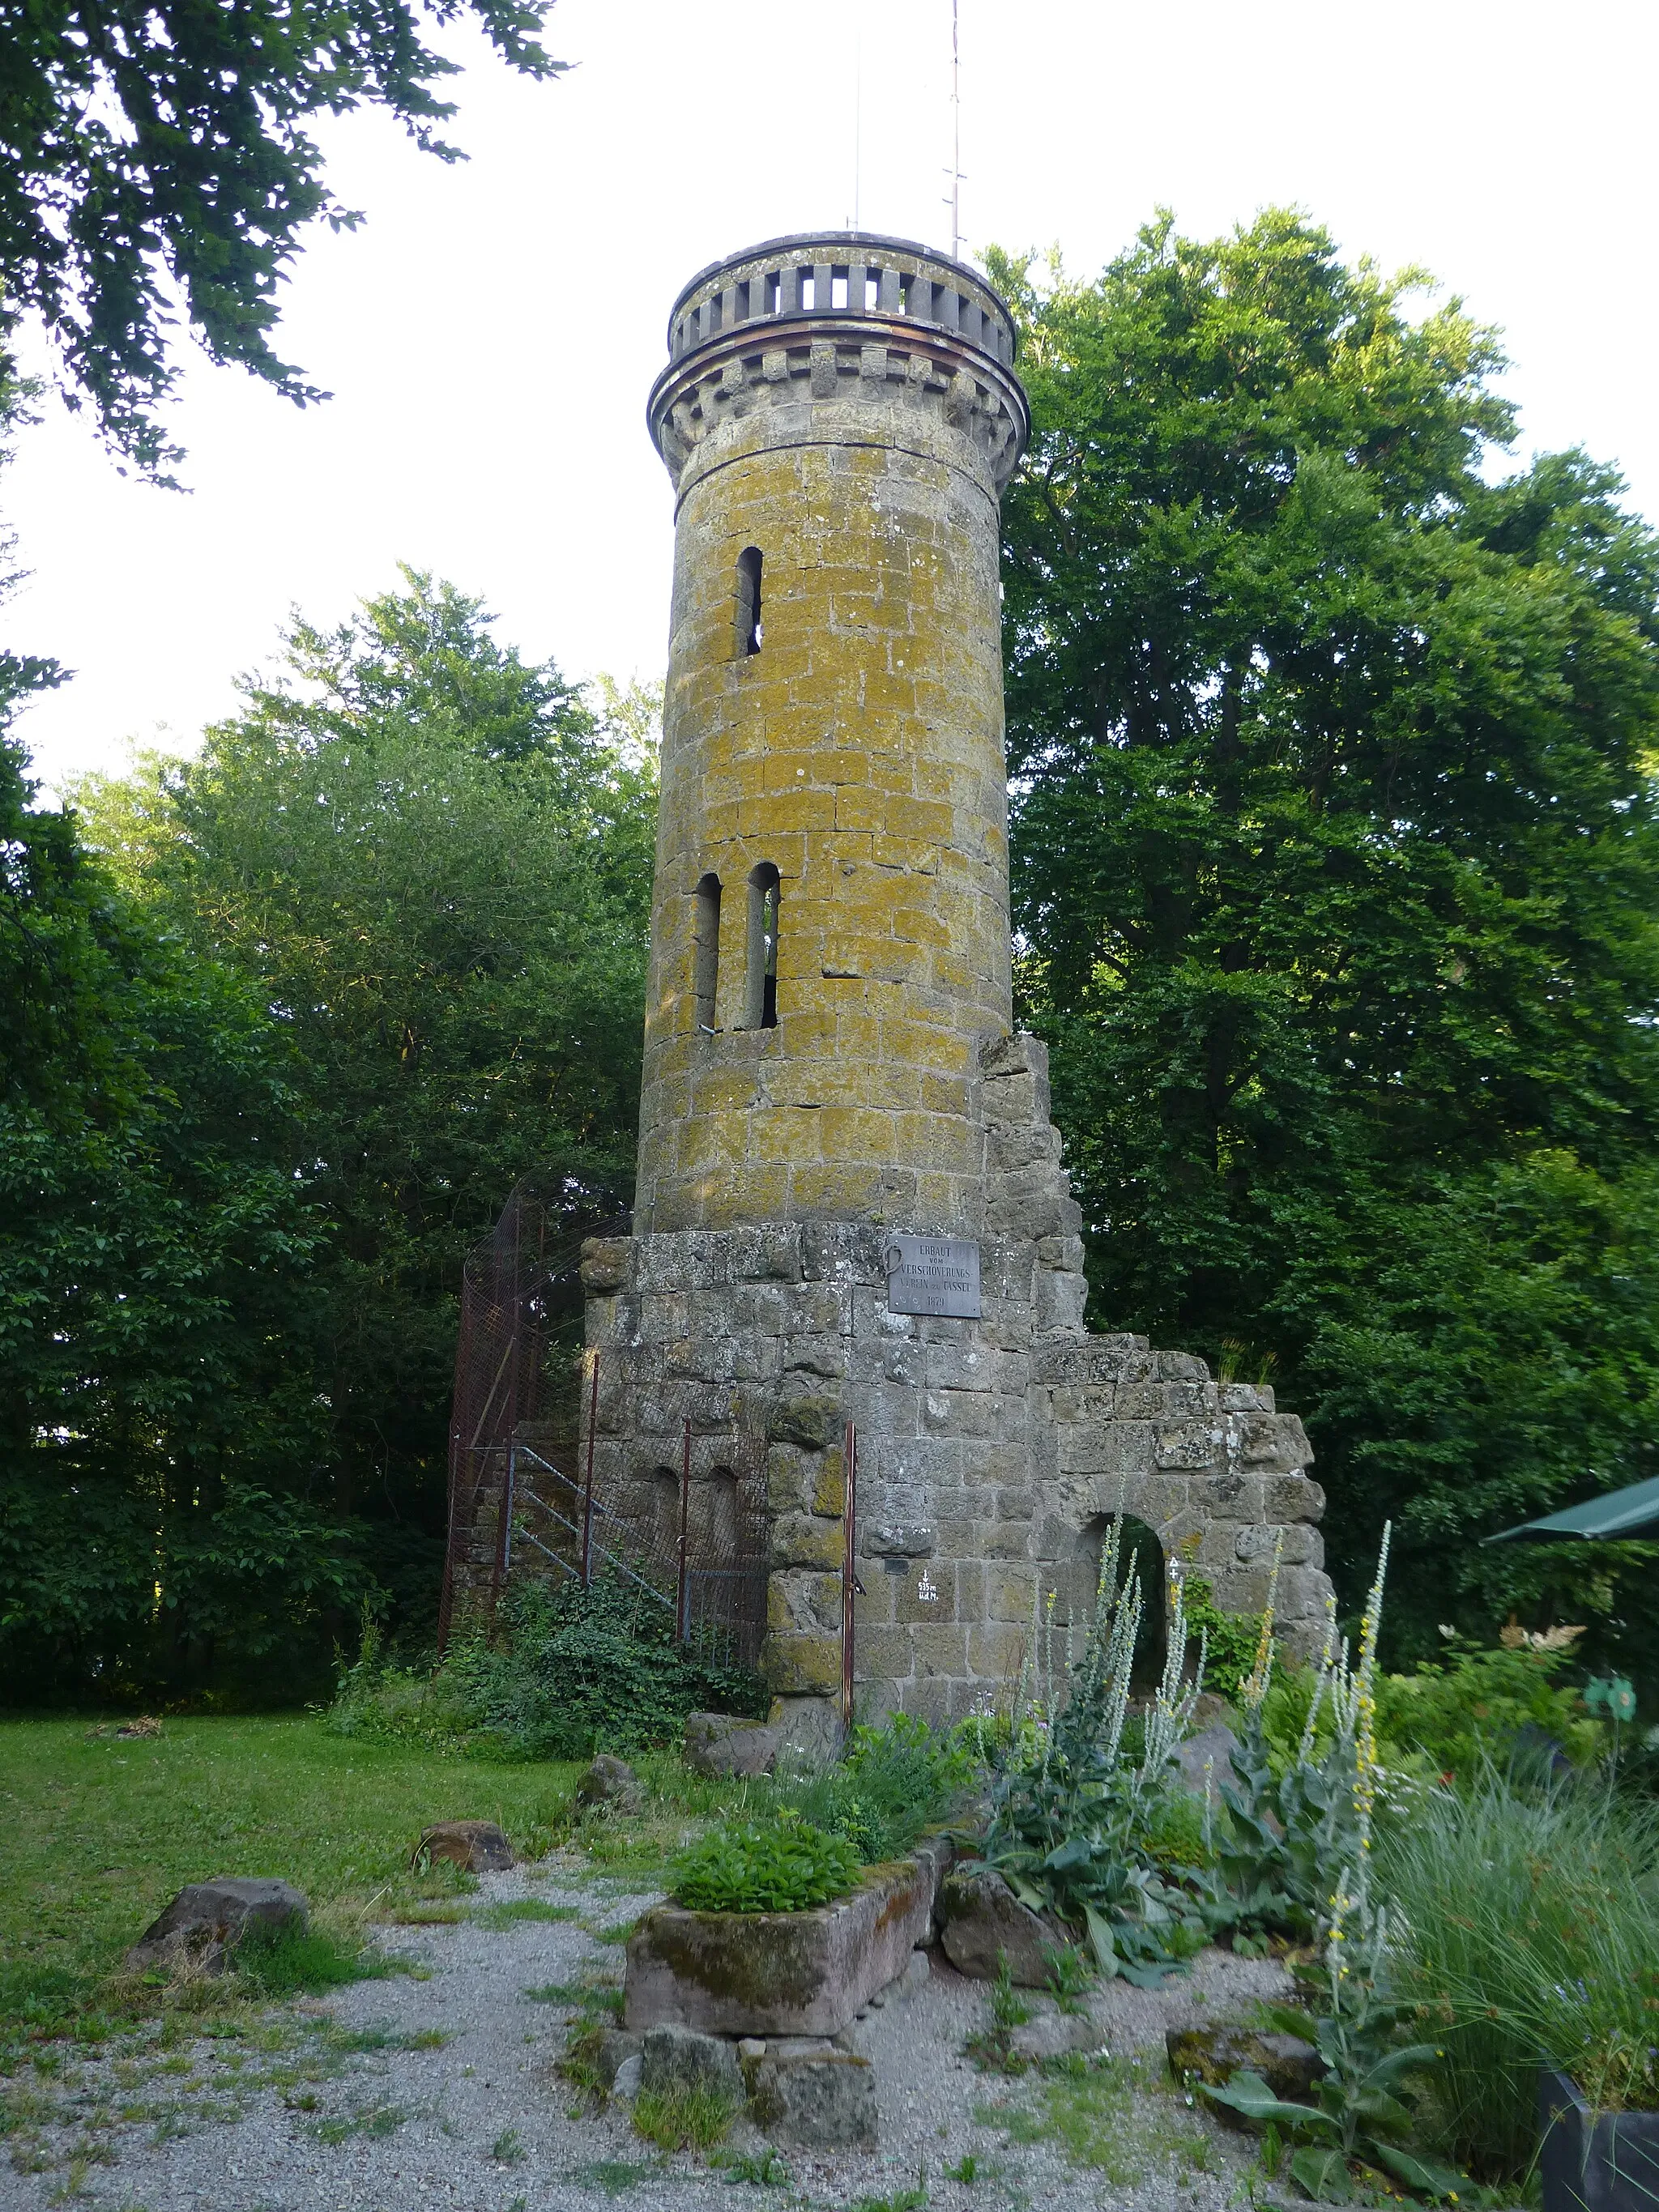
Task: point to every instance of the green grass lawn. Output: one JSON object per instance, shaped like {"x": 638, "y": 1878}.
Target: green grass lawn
{"x": 97, "y": 1835}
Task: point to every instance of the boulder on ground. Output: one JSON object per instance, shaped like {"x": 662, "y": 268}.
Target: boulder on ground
{"x": 479, "y": 1846}
{"x": 724, "y": 1743}
{"x": 1214, "y": 1745}
{"x": 918, "y": 1972}
{"x": 205, "y": 1922}
{"x": 1051, "y": 2034}
{"x": 682, "y": 2059}
{"x": 983, "y": 1922}
{"x": 816, "y": 2100}
{"x": 610, "y": 1781}
{"x": 625, "y": 2083}
{"x": 1289, "y": 2066}
{"x": 615, "y": 2047}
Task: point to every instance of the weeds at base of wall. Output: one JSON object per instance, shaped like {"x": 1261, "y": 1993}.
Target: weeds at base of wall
{"x": 682, "y": 2119}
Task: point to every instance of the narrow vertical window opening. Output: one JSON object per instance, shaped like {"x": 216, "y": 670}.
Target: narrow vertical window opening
{"x": 706, "y": 949}
{"x": 749, "y": 600}
{"x": 761, "y": 980}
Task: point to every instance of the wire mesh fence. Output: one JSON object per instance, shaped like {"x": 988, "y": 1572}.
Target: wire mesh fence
{"x": 518, "y": 1374}
{"x": 689, "y": 1534}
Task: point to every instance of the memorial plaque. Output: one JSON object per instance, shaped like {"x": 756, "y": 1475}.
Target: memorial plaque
{"x": 932, "y": 1275}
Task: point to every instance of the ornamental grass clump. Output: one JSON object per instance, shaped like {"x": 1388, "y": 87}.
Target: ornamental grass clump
{"x": 783, "y": 1864}
{"x": 1527, "y": 1921}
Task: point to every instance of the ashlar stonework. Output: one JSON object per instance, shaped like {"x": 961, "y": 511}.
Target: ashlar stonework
{"x": 830, "y": 1047}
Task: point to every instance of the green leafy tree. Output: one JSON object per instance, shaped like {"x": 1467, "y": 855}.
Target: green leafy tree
{"x": 432, "y": 864}
{"x": 158, "y": 156}
{"x": 1335, "y": 865}
{"x": 156, "y": 1446}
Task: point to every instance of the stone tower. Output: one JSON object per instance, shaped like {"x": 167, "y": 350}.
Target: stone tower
{"x": 850, "y": 1201}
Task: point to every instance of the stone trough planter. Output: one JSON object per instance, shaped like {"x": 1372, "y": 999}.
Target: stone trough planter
{"x": 1594, "y": 2161}
{"x": 781, "y": 1974}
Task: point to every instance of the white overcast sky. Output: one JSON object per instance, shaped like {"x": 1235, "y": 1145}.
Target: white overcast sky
{"x": 490, "y": 333}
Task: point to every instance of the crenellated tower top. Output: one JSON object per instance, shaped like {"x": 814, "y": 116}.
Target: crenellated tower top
{"x": 825, "y": 309}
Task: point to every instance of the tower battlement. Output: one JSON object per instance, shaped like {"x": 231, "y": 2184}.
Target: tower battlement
{"x": 837, "y": 276}
{"x": 842, "y": 314}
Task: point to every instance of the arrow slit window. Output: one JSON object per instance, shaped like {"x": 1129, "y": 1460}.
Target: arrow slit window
{"x": 749, "y": 601}
{"x": 760, "y": 1011}
{"x": 706, "y": 949}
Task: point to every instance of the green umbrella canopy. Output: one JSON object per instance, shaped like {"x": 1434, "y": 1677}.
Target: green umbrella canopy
{"x": 1632, "y": 1512}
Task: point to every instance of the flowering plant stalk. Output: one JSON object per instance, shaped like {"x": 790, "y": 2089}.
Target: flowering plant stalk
{"x": 1362, "y": 2112}
{"x": 1069, "y": 1817}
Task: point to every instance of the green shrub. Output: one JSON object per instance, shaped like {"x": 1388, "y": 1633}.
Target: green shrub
{"x": 1230, "y": 1639}
{"x": 568, "y": 1672}
{"x": 783, "y": 1864}
{"x": 1528, "y": 1930}
{"x": 1478, "y": 1706}
{"x": 893, "y": 1784}
{"x": 1453, "y": 1716}
{"x": 1174, "y": 1833}
{"x": 420, "y": 1707}
{"x": 581, "y": 1670}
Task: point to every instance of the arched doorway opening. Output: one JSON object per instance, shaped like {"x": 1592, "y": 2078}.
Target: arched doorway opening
{"x": 1077, "y": 1587}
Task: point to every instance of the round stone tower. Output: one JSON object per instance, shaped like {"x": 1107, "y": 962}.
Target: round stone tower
{"x": 852, "y": 1222}
{"x": 830, "y": 932}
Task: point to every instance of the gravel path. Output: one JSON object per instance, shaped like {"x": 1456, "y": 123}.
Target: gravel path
{"x": 439, "y": 2089}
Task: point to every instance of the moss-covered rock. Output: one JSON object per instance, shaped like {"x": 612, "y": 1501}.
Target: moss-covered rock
{"x": 809, "y": 1418}
{"x": 802, "y": 1666}
{"x": 1289, "y": 2066}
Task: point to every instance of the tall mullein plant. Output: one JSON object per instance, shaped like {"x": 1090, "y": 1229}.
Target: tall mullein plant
{"x": 1251, "y": 1887}
{"x": 1353, "y": 1930}
{"x": 1071, "y": 1809}
{"x": 1313, "y": 1801}
{"x": 1083, "y": 1706}
{"x": 1286, "y": 1832}
{"x": 1362, "y": 2113}
{"x": 1170, "y": 1713}
{"x": 1079, "y": 1707}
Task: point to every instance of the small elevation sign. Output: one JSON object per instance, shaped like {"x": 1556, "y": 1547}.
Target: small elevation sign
{"x": 932, "y": 1275}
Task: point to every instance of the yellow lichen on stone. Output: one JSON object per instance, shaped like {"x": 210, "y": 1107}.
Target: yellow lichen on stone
{"x": 803, "y": 1666}
{"x": 858, "y": 753}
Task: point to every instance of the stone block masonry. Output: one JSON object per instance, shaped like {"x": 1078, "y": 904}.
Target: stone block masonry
{"x": 829, "y": 1055}
{"x": 848, "y": 473}
{"x": 992, "y": 1452}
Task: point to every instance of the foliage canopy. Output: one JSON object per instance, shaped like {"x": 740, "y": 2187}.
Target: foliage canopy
{"x": 340, "y": 979}
{"x": 1335, "y": 865}
{"x": 157, "y": 155}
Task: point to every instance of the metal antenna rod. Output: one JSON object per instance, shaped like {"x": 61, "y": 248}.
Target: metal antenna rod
{"x": 955, "y": 170}
{"x": 955, "y": 136}
{"x": 858, "y": 114}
